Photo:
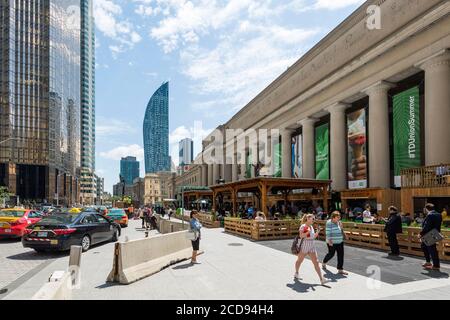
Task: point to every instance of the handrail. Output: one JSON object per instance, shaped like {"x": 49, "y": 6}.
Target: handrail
{"x": 426, "y": 177}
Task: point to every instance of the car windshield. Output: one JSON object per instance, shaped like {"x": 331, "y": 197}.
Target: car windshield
{"x": 12, "y": 213}
{"x": 60, "y": 218}
{"x": 116, "y": 211}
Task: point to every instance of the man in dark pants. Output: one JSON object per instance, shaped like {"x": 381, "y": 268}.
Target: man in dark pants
{"x": 392, "y": 228}
{"x": 433, "y": 220}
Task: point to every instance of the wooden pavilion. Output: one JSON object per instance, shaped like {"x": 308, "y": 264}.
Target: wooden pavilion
{"x": 263, "y": 187}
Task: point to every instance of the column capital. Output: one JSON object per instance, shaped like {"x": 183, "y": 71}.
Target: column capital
{"x": 379, "y": 87}
{"x": 338, "y": 107}
{"x": 440, "y": 58}
{"x": 308, "y": 121}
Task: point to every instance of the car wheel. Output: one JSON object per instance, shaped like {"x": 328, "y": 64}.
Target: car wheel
{"x": 39, "y": 250}
{"x": 115, "y": 236}
{"x": 85, "y": 243}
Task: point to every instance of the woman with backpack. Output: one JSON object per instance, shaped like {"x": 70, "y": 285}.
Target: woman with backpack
{"x": 306, "y": 246}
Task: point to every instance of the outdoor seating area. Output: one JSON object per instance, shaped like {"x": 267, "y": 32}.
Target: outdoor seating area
{"x": 264, "y": 188}
{"x": 359, "y": 234}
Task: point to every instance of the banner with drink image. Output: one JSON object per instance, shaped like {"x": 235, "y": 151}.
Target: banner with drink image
{"x": 357, "y": 149}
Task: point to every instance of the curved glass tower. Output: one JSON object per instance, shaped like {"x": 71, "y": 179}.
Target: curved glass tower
{"x": 156, "y": 131}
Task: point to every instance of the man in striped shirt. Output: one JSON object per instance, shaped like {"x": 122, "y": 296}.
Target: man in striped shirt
{"x": 335, "y": 241}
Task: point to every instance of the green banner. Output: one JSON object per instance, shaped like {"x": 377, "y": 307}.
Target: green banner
{"x": 406, "y": 123}
{"x": 277, "y": 160}
{"x": 249, "y": 166}
{"x": 322, "y": 150}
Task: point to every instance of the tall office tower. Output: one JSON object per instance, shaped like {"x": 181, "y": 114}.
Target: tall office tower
{"x": 156, "y": 131}
{"x": 88, "y": 188}
{"x": 186, "y": 151}
{"x": 40, "y": 99}
{"x": 129, "y": 169}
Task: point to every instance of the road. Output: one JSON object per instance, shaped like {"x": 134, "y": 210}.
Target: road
{"x": 18, "y": 264}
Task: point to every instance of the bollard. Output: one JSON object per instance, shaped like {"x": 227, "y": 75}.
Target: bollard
{"x": 75, "y": 265}
{"x": 75, "y": 256}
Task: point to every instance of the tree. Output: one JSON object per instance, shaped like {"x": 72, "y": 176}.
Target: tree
{"x": 4, "y": 195}
{"x": 126, "y": 200}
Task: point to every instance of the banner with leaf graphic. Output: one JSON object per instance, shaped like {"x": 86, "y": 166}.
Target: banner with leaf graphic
{"x": 322, "y": 151}
{"x": 406, "y": 124}
{"x": 249, "y": 165}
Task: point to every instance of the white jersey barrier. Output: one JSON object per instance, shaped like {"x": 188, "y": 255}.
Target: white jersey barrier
{"x": 137, "y": 259}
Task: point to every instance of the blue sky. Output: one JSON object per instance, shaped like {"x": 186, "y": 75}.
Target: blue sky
{"x": 217, "y": 55}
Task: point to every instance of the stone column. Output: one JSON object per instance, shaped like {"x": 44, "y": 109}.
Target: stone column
{"x": 216, "y": 173}
{"x": 204, "y": 175}
{"x": 243, "y": 168}
{"x": 234, "y": 169}
{"x": 338, "y": 146}
{"x": 210, "y": 175}
{"x": 437, "y": 108}
{"x": 379, "y": 158}
{"x": 286, "y": 153}
{"x": 308, "y": 149}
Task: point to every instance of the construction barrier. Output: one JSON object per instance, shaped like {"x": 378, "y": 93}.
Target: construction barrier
{"x": 59, "y": 287}
{"x": 137, "y": 259}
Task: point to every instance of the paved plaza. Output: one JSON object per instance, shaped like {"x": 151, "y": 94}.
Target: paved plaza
{"x": 236, "y": 268}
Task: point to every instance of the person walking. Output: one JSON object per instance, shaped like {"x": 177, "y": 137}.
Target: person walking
{"x": 392, "y": 228}
{"x": 195, "y": 226}
{"x": 307, "y": 247}
{"x": 335, "y": 242}
{"x": 433, "y": 220}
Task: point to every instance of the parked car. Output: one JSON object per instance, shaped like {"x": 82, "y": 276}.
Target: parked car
{"x": 13, "y": 222}
{"x": 60, "y": 231}
{"x": 119, "y": 216}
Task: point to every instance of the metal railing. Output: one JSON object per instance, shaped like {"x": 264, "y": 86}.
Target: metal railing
{"x": 426, "y": 177}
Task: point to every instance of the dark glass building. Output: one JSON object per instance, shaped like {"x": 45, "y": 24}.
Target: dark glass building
{"x": 129, "y": 169}
{"x": 156, "y": 132}
{"x": 40, "y": 99}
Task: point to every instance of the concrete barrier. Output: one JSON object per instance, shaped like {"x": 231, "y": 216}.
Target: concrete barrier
{"x": 59, "y": 287}
{"x": 137, "y": 259}
{"x": 170, "y": 226}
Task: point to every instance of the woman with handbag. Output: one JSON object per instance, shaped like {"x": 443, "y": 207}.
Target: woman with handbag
{"x": 307, "y": 236}
{"x": 335, "y": 241}
{"x": 195, "y": 227}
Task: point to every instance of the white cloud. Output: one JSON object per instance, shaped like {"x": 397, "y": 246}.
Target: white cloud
{"x": 335, "y": 4}
{"x": 108, "y": 20}
{"x": 107, "y": 127}
{"x": 133, "y": 150}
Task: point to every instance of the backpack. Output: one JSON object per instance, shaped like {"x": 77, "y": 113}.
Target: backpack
{"x": 296, "y": 246}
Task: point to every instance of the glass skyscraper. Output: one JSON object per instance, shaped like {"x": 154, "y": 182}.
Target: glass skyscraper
{"x": 40, "y": 98}
{"x": 156, "y": 131}
{"x": 129, "y": 170}
{"x": 88, "y": 186}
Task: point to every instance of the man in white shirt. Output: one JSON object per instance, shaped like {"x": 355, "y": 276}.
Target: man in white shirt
{"x": 367, "y": 215}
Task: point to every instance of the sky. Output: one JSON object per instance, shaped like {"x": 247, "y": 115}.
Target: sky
{"x": 217, "y": 56}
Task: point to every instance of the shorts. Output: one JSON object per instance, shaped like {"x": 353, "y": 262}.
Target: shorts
{"x": 196, "y": 244}
{"x": 308, "y": 246}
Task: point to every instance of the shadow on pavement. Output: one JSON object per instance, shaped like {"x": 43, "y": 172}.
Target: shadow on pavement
{"x": 10, "y": 240}
{"x": 435, "y": 274}
{"x": 32, "y": 255}
{"x": 393, "y": 258}
{"x": 107, "y": 285}
{"x": 183, "y": 266}
{"x": 333, "y": 277}
{"x": 304, "y": 287}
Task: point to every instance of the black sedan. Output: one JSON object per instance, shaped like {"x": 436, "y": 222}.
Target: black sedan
{"x": 60, "y": 231}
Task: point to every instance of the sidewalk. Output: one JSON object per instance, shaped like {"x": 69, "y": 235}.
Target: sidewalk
{"x": 232, "y": 268}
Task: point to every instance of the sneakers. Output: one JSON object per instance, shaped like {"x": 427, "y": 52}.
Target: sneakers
{"x": 296, "y": 276}
{"x": 426, "y": 265}
{"x": 323, "y": 281}
{"x": 343, "y": 272}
